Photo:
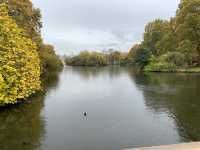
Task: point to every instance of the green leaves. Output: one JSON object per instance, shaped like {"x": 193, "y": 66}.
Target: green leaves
{"x": 179, "y": 35}
{"x": 187, "y": 27}
{"x": 169, "y": 62}
{"x": 87, "y": 58}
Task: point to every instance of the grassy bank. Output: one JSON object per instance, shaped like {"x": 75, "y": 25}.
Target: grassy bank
{"x": 180, "y": 70}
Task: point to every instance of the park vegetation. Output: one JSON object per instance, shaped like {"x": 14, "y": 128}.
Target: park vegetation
{"x": 172, "y": 45}
{"x": 92, "y": 58}
{"x": 24, "y": 58}
{"x": 168, "y": 45}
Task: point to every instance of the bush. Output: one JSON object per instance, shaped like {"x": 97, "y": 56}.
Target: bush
{"x": 175, "y": 58}
{"x": 50, "y": 62}
{"x": 19, "y": 62}
{"x": 169, "y": 62}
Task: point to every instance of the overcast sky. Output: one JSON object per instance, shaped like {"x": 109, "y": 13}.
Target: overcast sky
{"x": 74, "y": 25}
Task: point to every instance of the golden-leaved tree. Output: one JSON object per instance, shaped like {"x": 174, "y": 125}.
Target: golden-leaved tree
{"x": 28, "y": 18}
{"x": 19, "y": 61}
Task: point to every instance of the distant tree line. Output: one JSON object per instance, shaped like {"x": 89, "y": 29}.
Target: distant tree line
{"x": 92, "y": 58}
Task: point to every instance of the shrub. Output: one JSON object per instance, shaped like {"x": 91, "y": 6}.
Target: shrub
{"x": 169, "y": 62}
{"x": 50, "y": 62}
{"x": 175, "y": 58}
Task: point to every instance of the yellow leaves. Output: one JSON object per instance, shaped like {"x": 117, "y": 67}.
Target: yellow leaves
{"x": 3, "y": 10}
{"x": 19, "y": 62}
{"x": 1, "y": 78}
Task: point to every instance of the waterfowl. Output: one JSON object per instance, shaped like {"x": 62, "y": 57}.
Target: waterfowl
{"x": 85, "y": 114}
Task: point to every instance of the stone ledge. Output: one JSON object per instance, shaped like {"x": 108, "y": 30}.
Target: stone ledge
{"x": 184, "y": 146}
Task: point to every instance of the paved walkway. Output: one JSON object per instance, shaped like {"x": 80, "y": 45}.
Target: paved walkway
{"x": 184, "y": 146}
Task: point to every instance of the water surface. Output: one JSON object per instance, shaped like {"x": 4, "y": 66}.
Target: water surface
{"x": 124, "y": 109}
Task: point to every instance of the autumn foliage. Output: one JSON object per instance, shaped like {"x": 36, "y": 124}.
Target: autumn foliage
{"x": 19, "y": 61}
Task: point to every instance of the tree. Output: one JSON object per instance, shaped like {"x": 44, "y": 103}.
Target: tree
{"x": 179, "y": 37}
{"x": 19, "y": 61}
{"x": 139, "y": 55}
{"x": 115, "y": 57}
{"x": 187, "y": 28}
{"x": 50, "y": 62}
{"x": 132, "y": 53}
{"x": 87, "y": 58}
{"x": 154, "y": 32}
{"x": 27, "y": 17}
{"x": 167, "y": 42}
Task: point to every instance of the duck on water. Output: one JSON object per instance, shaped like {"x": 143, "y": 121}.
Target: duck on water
{"x": 85, "y": 114}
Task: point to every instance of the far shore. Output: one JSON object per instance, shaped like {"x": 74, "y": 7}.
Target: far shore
{"x": 182, "y": 70}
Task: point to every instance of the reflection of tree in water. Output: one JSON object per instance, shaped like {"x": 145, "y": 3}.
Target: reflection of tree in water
{"x": 176, "y": 94}
{"x": 88, "y": 73}
{"x": 51, "y": 80}
{"x": 22, "y": 127}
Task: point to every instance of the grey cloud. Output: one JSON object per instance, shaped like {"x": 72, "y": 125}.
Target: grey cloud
{"x": 121, "y": 21}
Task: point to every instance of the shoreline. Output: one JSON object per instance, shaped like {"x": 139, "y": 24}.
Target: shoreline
{"x": 188, "y": 70}
{"x": 181, "y": 70}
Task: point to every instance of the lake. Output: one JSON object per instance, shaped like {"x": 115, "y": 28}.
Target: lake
{"x": 125, "y": 109}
